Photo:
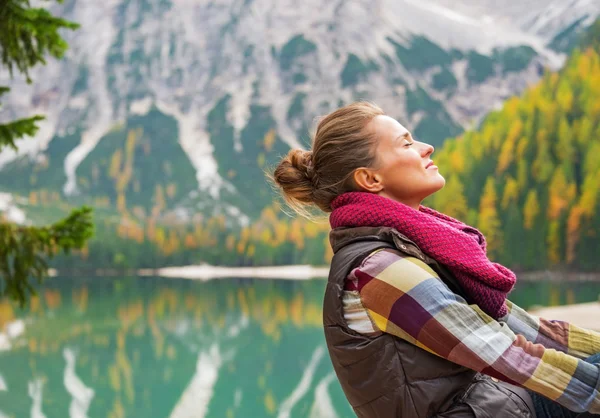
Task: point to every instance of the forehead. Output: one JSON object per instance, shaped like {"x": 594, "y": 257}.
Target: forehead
{"x": 386, "y": 127}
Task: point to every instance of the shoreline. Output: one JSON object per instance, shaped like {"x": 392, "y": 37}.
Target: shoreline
{"x": 206, "y": 272}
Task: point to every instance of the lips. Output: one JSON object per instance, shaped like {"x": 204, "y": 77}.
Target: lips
{"x": 431, "y": 166}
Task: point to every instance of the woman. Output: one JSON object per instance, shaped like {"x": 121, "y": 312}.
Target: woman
{"x": 416, "y": 317}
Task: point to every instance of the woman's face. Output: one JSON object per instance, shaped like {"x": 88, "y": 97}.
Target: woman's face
{"x": 403, "y": 166}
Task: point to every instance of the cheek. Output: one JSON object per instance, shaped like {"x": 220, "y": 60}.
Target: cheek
{"x": 407, "y": 160}
{"x": 414, "y": 163}
{"x": 404, "y": 168}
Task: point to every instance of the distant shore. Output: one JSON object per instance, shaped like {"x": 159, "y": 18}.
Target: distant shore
{"x": 209, "y": 272}
{"x": 290, "y": 272}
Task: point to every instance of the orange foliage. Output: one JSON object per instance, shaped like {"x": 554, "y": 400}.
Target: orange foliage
{"x": 52, "y": 298}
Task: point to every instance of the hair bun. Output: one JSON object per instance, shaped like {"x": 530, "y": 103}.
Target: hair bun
{"x": 303, "y": 162}
{"x": 295, "y": 175}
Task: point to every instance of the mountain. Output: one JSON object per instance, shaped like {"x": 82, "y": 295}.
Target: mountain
{"x": 172, "y": 109}
{"x": 528, "y": 177}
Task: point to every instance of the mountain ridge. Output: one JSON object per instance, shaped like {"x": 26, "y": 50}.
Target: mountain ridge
{"x": 266, "y": 67}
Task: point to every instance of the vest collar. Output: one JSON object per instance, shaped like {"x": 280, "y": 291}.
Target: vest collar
{"x": 340, "y": 237}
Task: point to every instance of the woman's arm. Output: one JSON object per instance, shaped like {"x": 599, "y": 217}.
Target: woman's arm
{"x": 560, "y": 335}
{"x": 405, "y": 297}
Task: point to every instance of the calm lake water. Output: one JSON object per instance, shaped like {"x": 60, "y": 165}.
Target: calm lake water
{"x": 149, "y": 347}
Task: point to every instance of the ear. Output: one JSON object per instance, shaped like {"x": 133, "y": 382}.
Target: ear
{"x": 367, "y": 180}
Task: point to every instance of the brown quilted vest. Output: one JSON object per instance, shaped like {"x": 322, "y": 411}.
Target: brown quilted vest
{"x": 384, "y": 376}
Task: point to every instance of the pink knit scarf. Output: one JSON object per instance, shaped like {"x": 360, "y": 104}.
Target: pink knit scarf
{"x": 459, "y": 247}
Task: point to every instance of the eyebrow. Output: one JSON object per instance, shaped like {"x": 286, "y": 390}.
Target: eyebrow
{"x": 405, "y": 135}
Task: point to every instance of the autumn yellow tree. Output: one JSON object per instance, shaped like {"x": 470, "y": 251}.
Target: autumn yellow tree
{"x": 489, "y": 222}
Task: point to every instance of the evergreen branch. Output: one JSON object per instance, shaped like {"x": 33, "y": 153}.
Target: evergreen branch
{"x": 28, "y": 34}
{"x": 23, "y": 250}
{"x": 18, "y": 129}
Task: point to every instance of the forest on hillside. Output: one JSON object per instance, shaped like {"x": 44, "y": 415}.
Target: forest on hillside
{"x": 528, "y": 177}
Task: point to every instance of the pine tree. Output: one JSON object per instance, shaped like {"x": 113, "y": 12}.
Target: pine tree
{"x": 27, "y": 36}
{"x": 489, "y": 221}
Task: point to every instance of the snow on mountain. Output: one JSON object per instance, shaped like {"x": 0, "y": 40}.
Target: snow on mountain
{"x": 183, "y": 57}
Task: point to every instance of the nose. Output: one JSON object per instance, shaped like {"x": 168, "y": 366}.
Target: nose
{"x": 426, "y": 149}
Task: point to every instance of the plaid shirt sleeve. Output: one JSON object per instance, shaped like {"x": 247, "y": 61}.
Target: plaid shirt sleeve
{"x": 405, "y": 297}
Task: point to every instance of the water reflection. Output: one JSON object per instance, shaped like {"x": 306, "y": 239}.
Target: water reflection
{"x": 147, "y": 347}
{"x": 81, "y": 394}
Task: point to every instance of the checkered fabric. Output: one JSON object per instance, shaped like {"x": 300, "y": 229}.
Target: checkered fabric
{"x": 403, "y": 296}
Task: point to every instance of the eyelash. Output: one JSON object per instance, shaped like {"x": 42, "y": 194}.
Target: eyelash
{"x": 410, "y": 143}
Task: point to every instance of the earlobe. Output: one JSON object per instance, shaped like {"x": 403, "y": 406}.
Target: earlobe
{"x": 367, "y": 180}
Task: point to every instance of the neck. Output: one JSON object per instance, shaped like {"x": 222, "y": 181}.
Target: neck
{"x": 413, "y": 203}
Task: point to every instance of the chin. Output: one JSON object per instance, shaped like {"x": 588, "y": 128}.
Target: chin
{"x": 441, "y": 182}
{"x": 438, "y": 185}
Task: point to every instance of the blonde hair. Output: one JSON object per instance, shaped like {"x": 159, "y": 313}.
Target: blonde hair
{"x": 341, "y": 144}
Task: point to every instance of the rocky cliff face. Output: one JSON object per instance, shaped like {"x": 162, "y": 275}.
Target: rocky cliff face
{"x": 181, "y": 104}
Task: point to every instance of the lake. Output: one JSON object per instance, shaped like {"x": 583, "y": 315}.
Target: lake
{"x": 152, "y": 347}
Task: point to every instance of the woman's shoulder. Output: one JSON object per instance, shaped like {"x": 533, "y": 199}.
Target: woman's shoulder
{"x": 388, "y": 263}
{"x": 378, "y": 261}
